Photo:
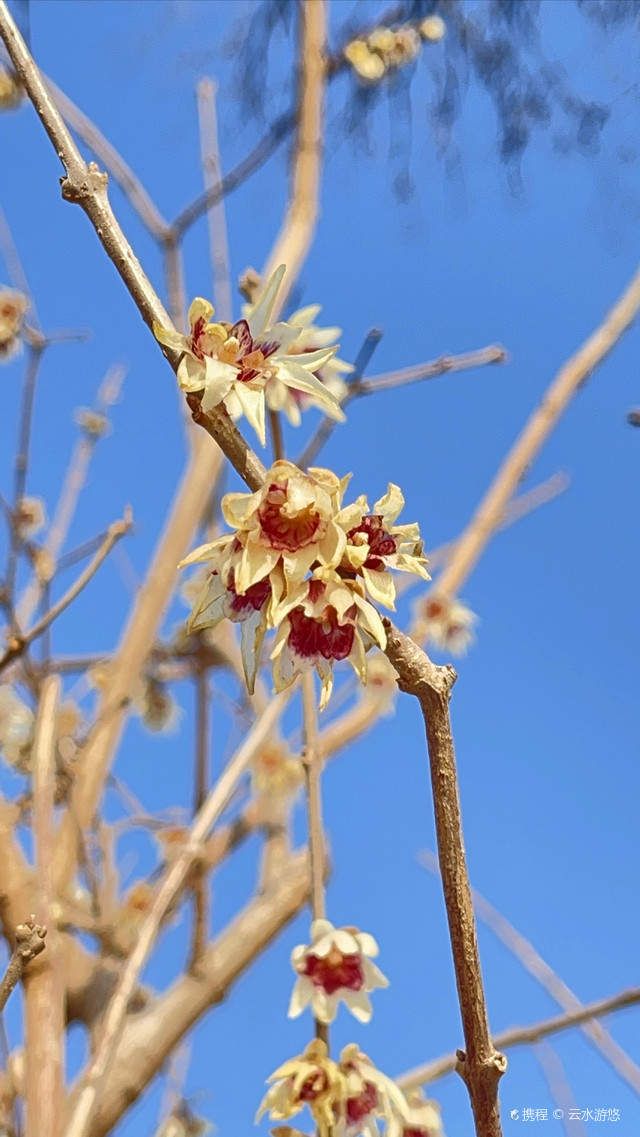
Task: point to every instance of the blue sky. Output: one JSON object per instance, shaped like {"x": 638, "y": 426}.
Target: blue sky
{"x": 545, "y": 709}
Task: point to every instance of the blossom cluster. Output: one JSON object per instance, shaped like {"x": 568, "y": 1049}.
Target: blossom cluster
{"x": 300, "y": 562}
{"x": 13, "y": 306}
{"x": 386, "y": 49}
{"x": 251, "y": 365}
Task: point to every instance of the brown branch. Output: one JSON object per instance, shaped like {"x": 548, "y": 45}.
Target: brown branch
{"x": 130, "y": 185}
{"x": 19, "y": 643}
{"x": 29, "y": 939}
{"x": 525, "y": 952}
{"x": 566, "y": 384}
{"x": 312, "y": 766}
{"x": 86, "y": 185}
{"x": 44, "y": 991}
{"x": 524, "y": 1035}
{"x": 114, "y": 1019}
{"x": 21, "y": 467}
{"x": 481, "y": 1066}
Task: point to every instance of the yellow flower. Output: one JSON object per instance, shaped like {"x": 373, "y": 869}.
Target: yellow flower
{"x": 11, "y": 90}
{"x": 366, "y": 63}
{"x": 274, "y": 772}
{"x": 30, "y": 517}
{"x": 423, "y": 1117}
{"x": 433, "y": 28}
{"x": 370, "y": 1096}
{"x": 237, "y": 364}
{"x": 16, "y": 729}
{"x": 375, "y": 544}
{"x": 381, "y": 40}
{"x": 311, "y": 1079}
{"x": 13, "y": 306}
{"x": 445, "y": 622}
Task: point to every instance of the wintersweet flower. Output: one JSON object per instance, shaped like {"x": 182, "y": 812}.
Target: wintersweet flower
{"x": 433, "y": 29}
{"x": 370, "y": 1096}
{"x": 312, "y": 1079}
{"x": 11, "y": 90}
{"x": 310, "y": 339}
{"x": 16, "y": 729}
{"x": 326, "y": 619}
{"x": 445, "y": 622}
{"x": 423, "y": 1118}
{"x": 30, "y": 517}
{"x": 375, "y": 544}
{"x": 335, "y": 967}
{"x": 274, "y": 772}
{"x": 366, "y": 63}
{"x": 13, "y": 306}
{"x": 236, "y": 364}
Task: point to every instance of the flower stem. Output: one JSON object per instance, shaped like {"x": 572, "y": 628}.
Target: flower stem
{"x": 276, "y": 436}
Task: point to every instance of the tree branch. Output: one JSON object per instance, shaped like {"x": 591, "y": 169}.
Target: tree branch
{"x": 29, "y": 943}
{"x": 481, "y": 1066}
{"x": 566, "y": 384}
{"x": 524, "y": 1035}
{"x": 44, "y": 991}
{"x": 89, "y": 1093}
{"x": 18, "y": 643}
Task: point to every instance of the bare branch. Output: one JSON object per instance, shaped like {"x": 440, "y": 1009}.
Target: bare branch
{"x": 200, "y": 890}
{"x": 293, "y": 242}
{"x": 312, "y": 766}
{"x": 546, "y": 976}
{"x": 481, "y": 1066}
{"x": 18, "y": 643}
{"x": 566, "y": 384}
{"x": 559, "y": 1088}
{"x": 29, "y": 943}
{"x": 88, "y": 1097}
{"x": 44, "y": 990}
{"x": 86, "y": 185}
{"x": 212, "y": 173}
{"x": 524, "y": 1036}
{"x": 495, "y": 353}
{"x": 130, "y": 185}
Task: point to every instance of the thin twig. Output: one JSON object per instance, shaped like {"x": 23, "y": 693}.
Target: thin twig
{"x": 559, "y": 1088}
{"x": 566, "y": 384}
{"x": 130, "y": 185}
{"x": 546, "y": 976}
{"x": 212, "y": 175}
{"x": 44, "y": 991}
{"x": 328, "y": 424}
{"x": 86, "y": 185}
{"x": 524, "y": 1036}
{"x": 21, "y": 466}
{"x": 29, "y": 943}
{"x": 481, "y": 1066}
{"x": 495, "y": 353}
{"x": 200, "y": 889}
{"x": 294, "y": 240}
{"x": 217, "y": 801}
{"x": 74, "y": 481}
{"x": 18, "y": 643}
{"x": 312, "y": 766}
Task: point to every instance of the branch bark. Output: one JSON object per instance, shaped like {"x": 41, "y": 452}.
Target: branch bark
{"x": 29, "y": 939}
{"x": 44, "y": 989}
{"x": 481, "y": 1066}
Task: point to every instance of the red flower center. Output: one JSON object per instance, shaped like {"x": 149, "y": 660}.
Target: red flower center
{"x": 281, "y": 531}
{"x": 381, "y": 544}
{"x": 313, "y": 1086}
{"x": 334, "y": 971}
{"x": 408, "y": 1132}
{"x": 311, "y": 638}
{"x": 361, "y": 1106}
{"x": 239, "y": 607}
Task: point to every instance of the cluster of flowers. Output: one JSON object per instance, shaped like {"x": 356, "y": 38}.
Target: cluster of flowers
{"x": 350, "y": 1096}
{"x": 387, "y": 49}
{"x": 300, "y": 562}
{"x": 249, "y": 366}
{"x": 13, "y": 306}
